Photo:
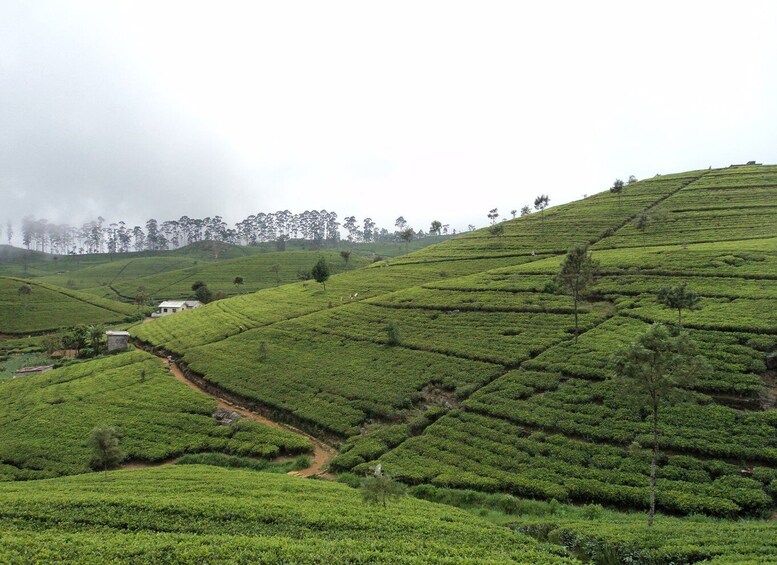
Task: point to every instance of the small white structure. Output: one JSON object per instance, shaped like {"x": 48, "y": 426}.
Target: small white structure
{"x": 172, "y": 306}
{"x": 117, "y": 341}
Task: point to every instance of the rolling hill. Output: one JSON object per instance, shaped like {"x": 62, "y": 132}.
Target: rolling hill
{"x": 200, "y": 514}
{"x": 47, "y": 307}
{"x": 486, "y": 388}
{"x": 456, "y": 368}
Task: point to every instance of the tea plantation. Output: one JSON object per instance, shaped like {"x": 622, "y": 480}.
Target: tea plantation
{"x": 46, "y": 307}
{"x": 456, "y": 367}
{"x": 484, "y": 387}
{"x": 46, "y": 419}
{"x": 201, "y": 514}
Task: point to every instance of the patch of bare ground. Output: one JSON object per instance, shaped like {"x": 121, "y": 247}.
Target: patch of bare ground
{"x": 769, "y": 393}
{"x": 322, "y": 453}
{"x": 434, "y": 395}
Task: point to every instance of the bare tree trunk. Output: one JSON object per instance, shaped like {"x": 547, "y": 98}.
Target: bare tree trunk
{"x": 653, "y": 467}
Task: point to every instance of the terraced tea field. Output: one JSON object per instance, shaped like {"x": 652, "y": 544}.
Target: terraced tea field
{"x": 262, "y": 270}
{"x": 484, "y": 387}
{"x": 201, "y": 514}
{"x": 47, "y": 307}
{"x": 456, "y": 366}
{"x": 46, "y": 419}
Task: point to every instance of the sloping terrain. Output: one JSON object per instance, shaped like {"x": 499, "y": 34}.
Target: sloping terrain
{"x": 47, "y": 307}
{"x": 484, "y": 388}
{"x": 200, "y": 514}
{"x": 262, "y": 270}
{"x": 46, "y": 419}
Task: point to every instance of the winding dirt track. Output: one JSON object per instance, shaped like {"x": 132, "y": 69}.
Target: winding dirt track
{"x": 322, "y": 453}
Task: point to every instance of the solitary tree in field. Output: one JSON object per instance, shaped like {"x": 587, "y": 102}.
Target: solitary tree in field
{"x": 346, "y": 255}
{"x": 513, "y": 213}
{"x": 24, "y": 291}
{"x": 407, "y": 236}
{"x": 632, "y": 179}
{"x": 642, "y": 223}
{"x": 540, "y": 203}
{"x": 141, "y": 297}
{"x": 679, "y": 298}
{"x": 576, "y": 275}
{"x": 525, "y": 210}
{"x": 321, "y": 272}
{"x": 436, "y": 227}
{"x": 493, "y": 214}
{"x": 105, "y": 448}
{"x": 617, "y": 188}
{"x": 379, "y": 487}
{"x": 652, "y": 372}
{"x": 277, "y": 270}
{"x": 238, "y": 281}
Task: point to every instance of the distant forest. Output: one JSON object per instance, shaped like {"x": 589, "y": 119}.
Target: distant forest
{"x": 117, "y": 237}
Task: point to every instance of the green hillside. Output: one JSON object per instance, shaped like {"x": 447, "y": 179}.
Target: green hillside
{"x": 47, "y": 307}
{"x": 199, "y": 514}
{"x": 486, "y": 389}
{"x": 262, "y": 270}
{"x": 46, "y": 419}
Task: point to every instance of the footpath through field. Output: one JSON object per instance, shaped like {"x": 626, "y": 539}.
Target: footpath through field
{"x": 322, "y": 453}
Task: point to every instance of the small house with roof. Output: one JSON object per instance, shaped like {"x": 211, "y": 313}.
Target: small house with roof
{"x": 117, "y": 340}
{"x": 172, "y": 306}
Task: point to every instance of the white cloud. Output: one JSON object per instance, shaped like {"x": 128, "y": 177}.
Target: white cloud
{"x": 427, "y": 109}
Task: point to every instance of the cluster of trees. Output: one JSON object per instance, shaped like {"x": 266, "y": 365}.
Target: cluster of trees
{"x": 540, "y": 203}
{"x": 657, "y": 368}
{"x": 99, "y": 236}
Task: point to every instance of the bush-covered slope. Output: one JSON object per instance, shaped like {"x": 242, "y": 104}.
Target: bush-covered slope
{"x": 262, "y": 270}
{"x": 199, "y": 514}
{"x": 46, "y": 419}
{"x": 484, "y": 387}
{"x": 48, "y": 307}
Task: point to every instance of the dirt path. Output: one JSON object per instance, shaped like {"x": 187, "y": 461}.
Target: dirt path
{"x": 322, "y": 453}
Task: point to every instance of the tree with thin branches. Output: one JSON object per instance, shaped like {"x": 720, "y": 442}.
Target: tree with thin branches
{"x": 105, "y": 448}
{"x": 540, "y": 203}
{"x": 576, "y": 275}
{"x": 655, "y": 371}
{"x": 679, "y": 298}
{"x": 642, "y": 223}
{"x": 346, "y": 255}
{"x": 617, "y": 188}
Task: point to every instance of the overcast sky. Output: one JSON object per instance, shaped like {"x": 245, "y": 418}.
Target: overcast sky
{"x": 432, "y": 110}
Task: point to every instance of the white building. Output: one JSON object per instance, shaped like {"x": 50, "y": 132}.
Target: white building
{"x": 172, "y": 306}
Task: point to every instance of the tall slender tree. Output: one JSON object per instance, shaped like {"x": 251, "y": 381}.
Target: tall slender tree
{"x": 540, "y": 203}
{"x": 617, "y": 188}
{"x": 653, "y": 372}
{"x": 105, "y": 448}
{"x": 576, "y": 275}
